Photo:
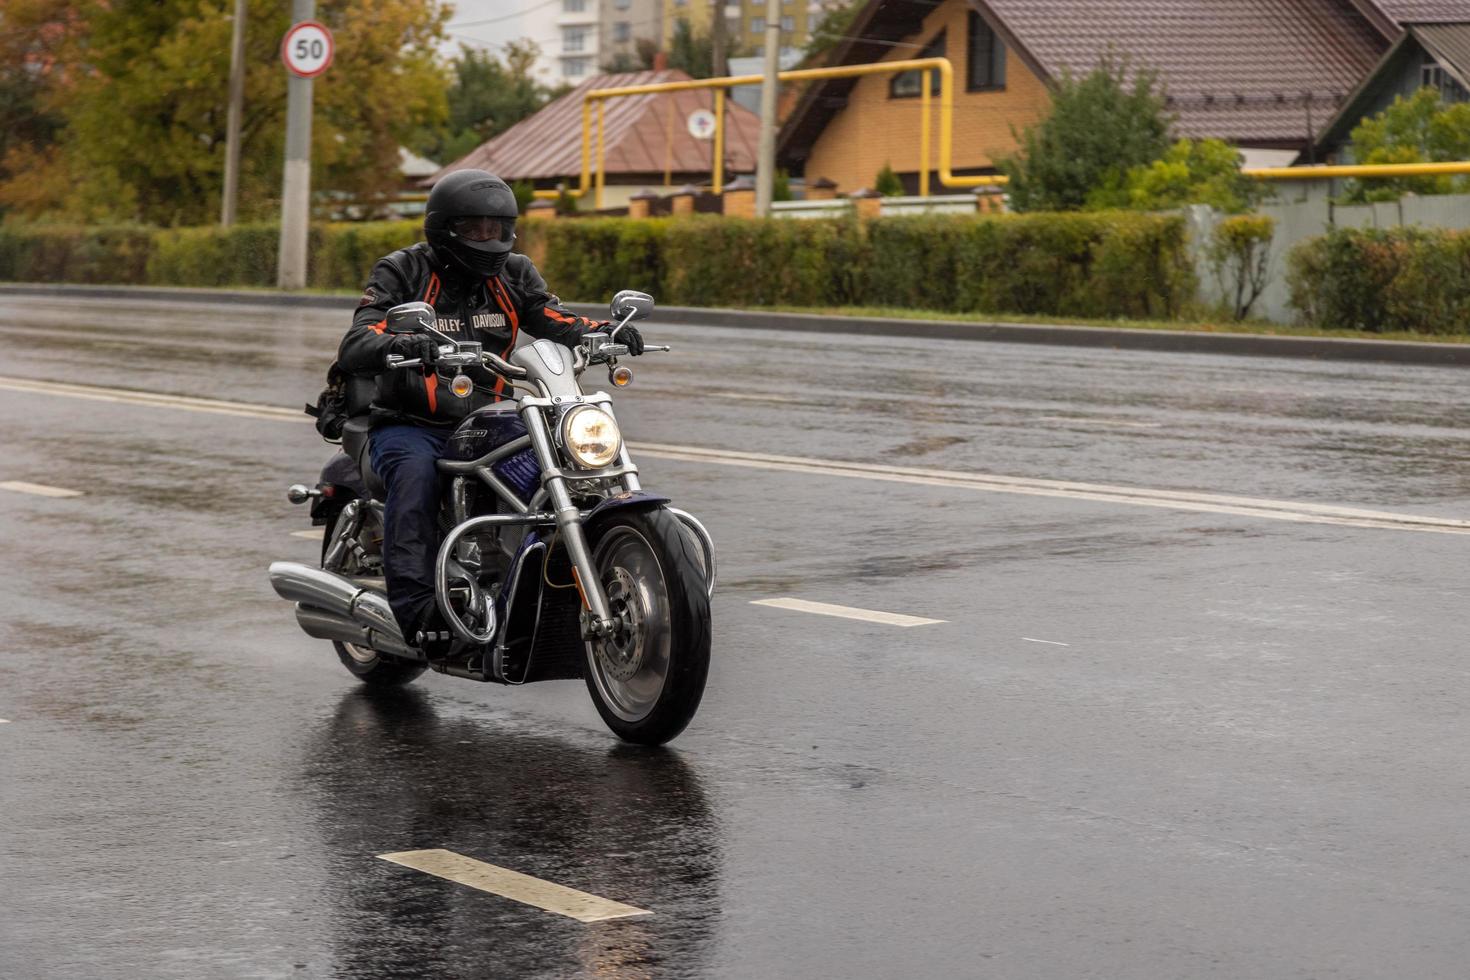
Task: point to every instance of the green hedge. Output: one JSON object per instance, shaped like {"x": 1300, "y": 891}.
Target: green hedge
{"x": 1380, "y": 280}
{"x": 1100, "y": 264}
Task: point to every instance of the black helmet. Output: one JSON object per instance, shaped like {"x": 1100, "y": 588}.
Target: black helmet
{"x": 470, "y": 220}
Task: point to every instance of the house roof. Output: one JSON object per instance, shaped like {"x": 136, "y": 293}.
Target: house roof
{"x": 548, "y": 144}
{"x": 1404, "y": 12}
{"x": 1448, "y": 44}
{"x": 1240, "y": 70}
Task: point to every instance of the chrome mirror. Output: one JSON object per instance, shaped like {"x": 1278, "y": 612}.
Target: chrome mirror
{"x": 411, "y": 318}
{"x": 632, "y": 303}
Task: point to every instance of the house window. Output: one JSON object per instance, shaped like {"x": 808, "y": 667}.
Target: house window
{"x": 1434, "y": 75}
{"x": 757, "y": 25}
{"x": 623, "y": 4}
{"x": 572, "y": 38}
{"x": 575, "y": 67}
{"x": 573, "y": 6}
{"x": 622, "y": 31}
{"x": 788, "y": 24}
{"x": 986, "y": 57}
{"x": 906, "y": 84}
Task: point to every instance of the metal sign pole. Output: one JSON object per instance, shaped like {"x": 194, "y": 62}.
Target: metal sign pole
{"x": 296, "y": 180}
{"x": 765, "y": 161}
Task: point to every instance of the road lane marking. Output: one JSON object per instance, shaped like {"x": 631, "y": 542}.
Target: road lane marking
{"x": 39, "y": 489}
{"x": 513, "y": 885}
{"x": 1277, "y": 510}
{"x": 1210, "y": 503}
{"x": 1111, "y": 423}
{"x": 314, "y": 534}
{"x": 846, "y": 612}
{"x": 1055, "y": 643}
{"x": 124, "y": 396}
{"x": 4, "y": 721}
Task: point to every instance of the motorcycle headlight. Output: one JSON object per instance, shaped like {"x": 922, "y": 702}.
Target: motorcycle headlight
{"x": 591, "y": 436}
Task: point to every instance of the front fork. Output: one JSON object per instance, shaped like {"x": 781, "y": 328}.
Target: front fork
{"x": 600, "y": 621}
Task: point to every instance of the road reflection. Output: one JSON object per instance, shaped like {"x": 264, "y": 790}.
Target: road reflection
{"x": 390, "y": 772}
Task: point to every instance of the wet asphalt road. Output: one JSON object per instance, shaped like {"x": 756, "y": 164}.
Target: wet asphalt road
{"x": 1146, "y": 742}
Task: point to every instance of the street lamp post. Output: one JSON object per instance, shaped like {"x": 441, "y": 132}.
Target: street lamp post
{"x": 765, "y": 166}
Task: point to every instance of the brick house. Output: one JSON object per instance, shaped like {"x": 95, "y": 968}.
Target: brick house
{"x": 1264, "y": 75}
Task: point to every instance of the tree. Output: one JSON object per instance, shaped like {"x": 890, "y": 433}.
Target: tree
{"x": 887, "y": 182}
{"x": 488, "y": 96}
{"x": 144, "y": 135}
{"x": 690, "y": 52}
{"x": 1193, "y": 172}
{"x": 1419, "y": 129}
{"x": 837, "y": 18}
{"x": 1101, "y": 125}
{"x": 32, "y": 34}
{"x": 645, "y": 50}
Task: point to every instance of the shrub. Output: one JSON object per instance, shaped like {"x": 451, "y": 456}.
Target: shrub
{"x": 1240, "y": 251}
{"x": 1193, "y": 172}
{"x": 888, "y": 183}
{"x": 113, "y": 254}
{"x": 1096, "y": 264}
{"x": 1420, "y": 129}
{"x": 1370, "y": 279}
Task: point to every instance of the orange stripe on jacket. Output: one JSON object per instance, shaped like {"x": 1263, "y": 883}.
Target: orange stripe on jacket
{"x": 502, "y": 299}
{"x": 431, "y": 382}
{"x": 431, "y": 291}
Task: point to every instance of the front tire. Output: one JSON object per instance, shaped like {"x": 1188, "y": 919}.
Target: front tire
{"x": 647, "y": 680}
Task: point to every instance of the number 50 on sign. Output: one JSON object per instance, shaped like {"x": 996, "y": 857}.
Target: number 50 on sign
{"x": 307, "y": 49}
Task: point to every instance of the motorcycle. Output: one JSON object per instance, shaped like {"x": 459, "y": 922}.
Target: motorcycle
{"x": 555, "y": 563}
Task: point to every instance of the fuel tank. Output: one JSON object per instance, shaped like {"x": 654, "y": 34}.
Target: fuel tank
{"x": 485, "y": 431}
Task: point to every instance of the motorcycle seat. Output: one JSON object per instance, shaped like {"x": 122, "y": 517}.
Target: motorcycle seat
{"x": 355, "y": 444}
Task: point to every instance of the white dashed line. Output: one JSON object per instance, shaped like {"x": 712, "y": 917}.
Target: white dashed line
{"x": 846, "y": 612}
{"x": 315, "y": 534}
{"x": 1055, "y": 643}
{"x": 513, "y": 885}
{"x": 38, "y": 489}
{"x": 4, "y": 721}
{"x": 1183, "y": 500}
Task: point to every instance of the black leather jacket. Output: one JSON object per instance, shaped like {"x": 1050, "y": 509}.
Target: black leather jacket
{"x": 492, "y": 311}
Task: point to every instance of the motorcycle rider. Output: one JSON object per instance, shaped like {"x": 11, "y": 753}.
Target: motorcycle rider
{"x": 480, "y": 291}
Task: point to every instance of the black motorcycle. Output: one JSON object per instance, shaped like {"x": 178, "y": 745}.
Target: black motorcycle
{"x": 555, "y": 563}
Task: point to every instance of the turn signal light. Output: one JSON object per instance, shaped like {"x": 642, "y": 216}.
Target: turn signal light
{"x": 461, "y": 386}
{"x": 621, "y": 377}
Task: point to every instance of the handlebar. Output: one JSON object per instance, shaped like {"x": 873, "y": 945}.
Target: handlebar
{"x": 451, "y": 357}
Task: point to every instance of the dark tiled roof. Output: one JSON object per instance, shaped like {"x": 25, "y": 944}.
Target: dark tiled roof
{"x": 548, "y": 145}
{"x": 1450, "y": 45}
{"x": 1404, "y": 12}
{"x": 1249, "y": 71}
{"x": 1236, "y": 69}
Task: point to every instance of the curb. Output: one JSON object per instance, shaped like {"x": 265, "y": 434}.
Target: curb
{"x": 1064, "y": 335}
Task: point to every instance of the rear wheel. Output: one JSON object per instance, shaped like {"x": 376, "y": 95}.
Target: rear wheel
{"x": 374, "y": 669}
{"x": 648, "y": 677}
{"x": 365, "y": 663}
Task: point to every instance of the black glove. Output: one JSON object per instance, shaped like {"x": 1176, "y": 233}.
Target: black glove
{"x": 415, "y": 345}
{"x": 630, "y": 336}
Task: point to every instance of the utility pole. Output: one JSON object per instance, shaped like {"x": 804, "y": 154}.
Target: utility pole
{"x": 765, "y": 164}
{"x": 296, "y": 180}
{"x": 718, "y": 63}
{"x": 232, "y": 121}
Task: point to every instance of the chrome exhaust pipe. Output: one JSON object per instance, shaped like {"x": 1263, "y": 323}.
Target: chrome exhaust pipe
{"x": 332, "y": 607}
{"x": 325, "y": 626}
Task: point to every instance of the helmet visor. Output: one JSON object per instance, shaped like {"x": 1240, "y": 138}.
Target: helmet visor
{"x": 480, "y": 228}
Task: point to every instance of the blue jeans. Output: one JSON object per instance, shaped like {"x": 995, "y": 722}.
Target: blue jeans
{"x": 403, "y": 457}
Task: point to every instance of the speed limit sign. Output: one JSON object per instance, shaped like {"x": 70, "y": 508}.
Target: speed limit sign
{"x": 307, "y": 49}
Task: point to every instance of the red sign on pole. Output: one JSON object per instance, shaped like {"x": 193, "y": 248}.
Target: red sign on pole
{"x": 307, "y": 49}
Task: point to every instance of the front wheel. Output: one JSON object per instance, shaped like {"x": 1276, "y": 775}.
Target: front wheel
{"x": 648, "y": 677}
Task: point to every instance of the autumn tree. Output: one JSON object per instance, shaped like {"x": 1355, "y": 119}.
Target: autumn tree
{"x": 144, "y": 115}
